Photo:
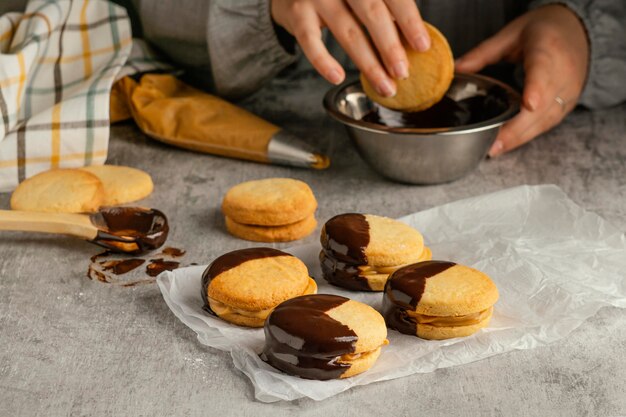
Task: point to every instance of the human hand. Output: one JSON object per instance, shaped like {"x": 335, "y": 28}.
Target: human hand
{"x": 552, "y": 44}
{"x": 347, "y": 19}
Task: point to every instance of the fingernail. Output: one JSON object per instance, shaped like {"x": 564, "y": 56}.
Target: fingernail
{"x": 401, "y": 70}
{"x": 386, "y": 89}
{"x": 496, "y": 149}
{"x": 334, "y": 77}
{"x": 422, "y": 43}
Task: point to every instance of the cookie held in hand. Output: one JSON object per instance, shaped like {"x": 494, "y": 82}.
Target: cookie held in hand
{"x": 430, "y": 75}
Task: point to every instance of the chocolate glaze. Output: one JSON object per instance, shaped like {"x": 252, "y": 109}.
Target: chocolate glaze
{"x": 344, "y": 239}
{"x": 342, "y": 274}
{"x": 230, "y": 260}
{"x": 404, "y": 290}
{"x": 173, "y": 252}
{"x": 301, "y": 339}
{"x": 120, "y": 267}
{"x": 130, "y": 229}
{"x": 446, "y": 113}
{"x": 156, "y": 266}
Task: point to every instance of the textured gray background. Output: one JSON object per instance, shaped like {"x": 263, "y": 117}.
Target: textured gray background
{"x": 71, "y": 346}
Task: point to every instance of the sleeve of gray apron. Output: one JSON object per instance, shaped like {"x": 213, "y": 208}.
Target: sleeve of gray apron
{"x": 605, "y": 22}
{"x": 244, "y": 47}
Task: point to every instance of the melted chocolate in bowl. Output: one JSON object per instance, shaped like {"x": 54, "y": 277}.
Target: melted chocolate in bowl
{"x": 446, "y": 113}
{"x": 130, "y": 229}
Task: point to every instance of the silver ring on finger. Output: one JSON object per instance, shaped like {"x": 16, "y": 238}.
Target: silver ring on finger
{"x": 561, "y": 102}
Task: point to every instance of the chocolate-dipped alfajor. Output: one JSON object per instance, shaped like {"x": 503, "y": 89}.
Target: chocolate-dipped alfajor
{"x": 438, "y": 300}
{"x": 359, "y": 251}
{"x": 323, "y": 337}
{"x": 243, "y": 286}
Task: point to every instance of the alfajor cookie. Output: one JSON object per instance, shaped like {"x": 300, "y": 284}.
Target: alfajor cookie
{"x": 269, "y": 202}
{"x": 243, "y": 286}
{"x": 438, "y": 300}
{"x": 430, "y": 75}
{"x": 285, "y": 233}
{"x": 59, "y": 191}
{"x": 359, "y": 251}
{"x": 323, "y": 337}
{"x": 122, "y": 184}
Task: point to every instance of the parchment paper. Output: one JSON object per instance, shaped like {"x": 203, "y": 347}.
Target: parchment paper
{"x": 554, "y": 263}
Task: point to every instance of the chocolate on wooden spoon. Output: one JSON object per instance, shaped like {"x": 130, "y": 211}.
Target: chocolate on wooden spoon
{"x": 131, "y": 230}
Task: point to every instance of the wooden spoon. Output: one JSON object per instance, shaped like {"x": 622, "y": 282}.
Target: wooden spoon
{"x": 121, "y": 229}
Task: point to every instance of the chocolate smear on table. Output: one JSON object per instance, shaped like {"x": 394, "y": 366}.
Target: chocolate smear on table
{"x": 231, "y": 260}
{"x": 404, "y": 290}
{"x": 344, "y": 240}
{"x": 302, "y": 340}
{"x": 119, "y": 269}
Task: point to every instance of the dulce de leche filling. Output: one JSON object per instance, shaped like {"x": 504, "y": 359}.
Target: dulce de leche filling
{"x": 451, "y": 321}
{"x": 222, "y": 309}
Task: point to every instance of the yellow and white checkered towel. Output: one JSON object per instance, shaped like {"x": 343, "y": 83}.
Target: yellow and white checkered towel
{"x": 58, "y": 61}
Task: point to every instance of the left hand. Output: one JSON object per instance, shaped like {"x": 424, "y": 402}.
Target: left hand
{"x": 551, "y": 42}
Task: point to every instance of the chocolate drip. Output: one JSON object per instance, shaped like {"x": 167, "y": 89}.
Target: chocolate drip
{"x": 344, "y": 239}
{"x": 173, "y": 252}
{"x": 130, "y": 229}
{"x": 404, "y": 290}
{"x": 156, "y": 266}
{"x": 446, "y": 113}
{"x": 122, "y": 266}
{"x": 301, "y": 339}
{"x": 230, "y": 260}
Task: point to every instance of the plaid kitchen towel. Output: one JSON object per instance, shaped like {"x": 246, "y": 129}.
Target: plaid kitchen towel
{"x": 58, "y": 61}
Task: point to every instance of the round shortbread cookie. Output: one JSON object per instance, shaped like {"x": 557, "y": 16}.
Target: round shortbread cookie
{"x": 430, "y": 75}
{"x": 122, "y": 184}
{"x": 256, "y": 278}
{"x": 285, "y": 233}
{"x": 59, "y": 191}
{"x": 269, "y": 202}
{"x": 438, "y": 300}
{"x": 337, "y": 337}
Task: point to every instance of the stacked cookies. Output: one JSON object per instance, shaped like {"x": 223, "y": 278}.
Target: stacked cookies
{"x": 359, "y": 251}
{"x": 270, "y": 210}
{"x": 82, "y": 190}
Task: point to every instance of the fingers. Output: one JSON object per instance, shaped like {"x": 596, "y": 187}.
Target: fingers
{"x": 353, "y": 40}
{"x": 308, "y": 33}
{"x": 491, "y": 50}
{"x": 408, "y": 18}
{"x": 539, "y": 79}
{"x": 526, "y": 126}
{"x": 382, "y": 29}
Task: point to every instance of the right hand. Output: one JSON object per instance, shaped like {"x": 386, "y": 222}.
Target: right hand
{"x": 346, "y": 19}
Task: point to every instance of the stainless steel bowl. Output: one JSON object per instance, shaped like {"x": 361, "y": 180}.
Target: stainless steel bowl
{"x": 423, "y": 155}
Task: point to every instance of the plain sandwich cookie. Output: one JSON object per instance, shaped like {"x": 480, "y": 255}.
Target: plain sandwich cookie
{"x": 359, "y": 251}
{"x": 323, "y": 337}
{"x": 438, "y": 300}
{"x": 243, "y": 286}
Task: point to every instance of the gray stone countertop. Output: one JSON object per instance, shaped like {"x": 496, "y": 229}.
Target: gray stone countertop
{"x": 72, "y": 346}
